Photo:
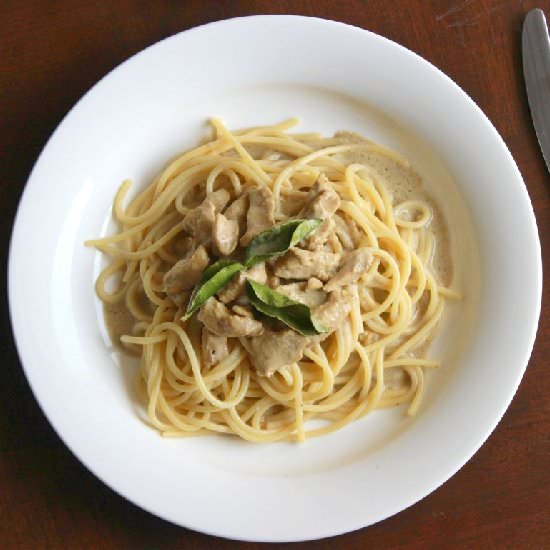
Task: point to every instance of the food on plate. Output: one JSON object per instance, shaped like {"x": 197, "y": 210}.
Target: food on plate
{"x": 277, "y": 286}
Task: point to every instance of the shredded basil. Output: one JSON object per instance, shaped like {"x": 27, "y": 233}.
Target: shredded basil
{"x": 277, "y": 240}
{"x": 213, "y": 279}
{"x": 274, "y": 304}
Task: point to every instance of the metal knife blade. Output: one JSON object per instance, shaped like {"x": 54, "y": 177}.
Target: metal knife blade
{"x": 536, "y": 71}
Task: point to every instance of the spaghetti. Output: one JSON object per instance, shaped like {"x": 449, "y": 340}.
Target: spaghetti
{"x": 373, "y": 358}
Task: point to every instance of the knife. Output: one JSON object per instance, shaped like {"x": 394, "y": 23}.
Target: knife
{"x": 536, "y": 70}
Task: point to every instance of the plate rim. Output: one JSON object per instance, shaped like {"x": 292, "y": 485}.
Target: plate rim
{"x": 328, "y": 531}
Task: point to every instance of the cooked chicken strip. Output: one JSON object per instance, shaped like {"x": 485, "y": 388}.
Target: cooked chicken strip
{"x": 219, "y": 199}
{"x": 260, "y": 215}
{"x": 354, "y": 266}
{"x": 335, "y": 309}
{"x": 180, "y": 298}
{"x": 322, "y": 201}
{"x": 217, "y": 318}
{"x": 237, "y": 211}
{"x": 314, "y": 284}
{"x": 299, "y": 293}
{"x": 214, "y": 347}
{"x": 236, "y": 286}
{"x": 303, "y": 264}
{"x": 225, "y": 235}
{"x": 186, "y": 273}
{"x": 320, "y": 236}
{"x": 347, "y": 233}
{"x": 199, "y": 221}
{"x": 274, "y": 350}
{"x": 342, "y": 232}
{"x": 242, "y": 311}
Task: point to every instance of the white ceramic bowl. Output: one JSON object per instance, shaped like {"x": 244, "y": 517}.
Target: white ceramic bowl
{"x": 250, "y": 71}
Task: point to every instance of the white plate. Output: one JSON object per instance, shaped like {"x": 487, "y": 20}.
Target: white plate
{"x": 261, "y": 70}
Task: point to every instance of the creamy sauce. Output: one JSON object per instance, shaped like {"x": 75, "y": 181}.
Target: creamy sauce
{"x": 118, "y": 321}
{"x": 404, "y": 184}
{"x": 426, "y": 185}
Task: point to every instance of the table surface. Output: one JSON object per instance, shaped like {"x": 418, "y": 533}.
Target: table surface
{"x": 51, "y": 53}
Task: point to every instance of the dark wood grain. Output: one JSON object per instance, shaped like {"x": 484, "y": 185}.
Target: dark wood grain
{"x": 51, "y": 53}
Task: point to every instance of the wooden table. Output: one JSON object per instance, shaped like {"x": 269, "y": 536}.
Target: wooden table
{"x": 51, "y": 53}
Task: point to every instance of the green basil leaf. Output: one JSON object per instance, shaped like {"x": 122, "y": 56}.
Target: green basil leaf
{"x": 274, "y": 304}
{"x": 277, "y": 240}
{"x": 211, "y": 270}
{"x": 213, "y": 279}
